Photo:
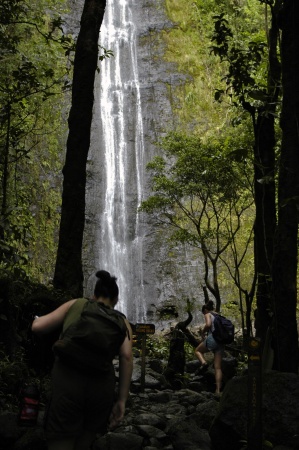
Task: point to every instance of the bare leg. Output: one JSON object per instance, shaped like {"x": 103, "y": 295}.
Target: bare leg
{"x": 218, "y": 371}
{"x": 62, "y": 444}
{"x": 199, "y": 351}
{"x": 85, "y": 440}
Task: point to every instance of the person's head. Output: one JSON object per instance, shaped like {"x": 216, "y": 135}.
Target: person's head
{"x": 106, "y": 287}
{"x": 207, "y": 307}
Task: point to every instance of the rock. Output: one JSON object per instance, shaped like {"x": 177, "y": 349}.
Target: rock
{"x": 150, "y": 431}
{"x": 150, "y": 419}
{"x": 160, "y": 397}
{"x": 192, "y": 366}
{"x": 186, "y": 420}
{"x": 117, "y": 441}
{"x": 136, "y": 375}
{"x": 205, "y": 413}
{"x": 196, "y": 386}
{"x": 150, "y": 448}
{"x": 229, "y": 367}
{"x": 280, "y": 412}
{"x": 188, "y": 396}
{"x": 185, "y": 435}
{"x": 151, "y": 382}
{"x": 157, "y": 365}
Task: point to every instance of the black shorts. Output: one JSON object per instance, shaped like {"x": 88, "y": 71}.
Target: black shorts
{"x": 79, "y": 402}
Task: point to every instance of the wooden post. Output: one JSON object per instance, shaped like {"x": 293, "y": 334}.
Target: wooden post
{"x": 143, "y": 329}
{"x": 254, "y": 427}
{"x": 143, "y": 350}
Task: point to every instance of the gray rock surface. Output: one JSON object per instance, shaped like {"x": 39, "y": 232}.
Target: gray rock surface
{"x": 185, "y": 419}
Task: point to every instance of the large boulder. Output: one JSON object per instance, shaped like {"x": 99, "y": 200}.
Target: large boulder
{"x": 280, "y": 412}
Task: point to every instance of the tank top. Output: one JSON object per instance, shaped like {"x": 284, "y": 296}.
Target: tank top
{"x": 212, "y": 324}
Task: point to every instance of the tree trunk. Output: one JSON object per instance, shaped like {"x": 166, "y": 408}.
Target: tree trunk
{"x": 285, "y": 250}
{"x": 265, "y": 220}
{"x": 68, "y": 271}
{"x": 264, "y": 159}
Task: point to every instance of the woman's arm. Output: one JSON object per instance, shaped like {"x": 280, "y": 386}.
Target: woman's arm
{"x": 125, "y": 374}
{"x": 53, "y": 320}
{"x": 208, "y": 322}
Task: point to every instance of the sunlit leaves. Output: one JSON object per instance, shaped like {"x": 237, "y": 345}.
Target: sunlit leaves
{"x": 200, "y": 194}
{"x": 34, "y": 73}
{"x": 245, "y": 62}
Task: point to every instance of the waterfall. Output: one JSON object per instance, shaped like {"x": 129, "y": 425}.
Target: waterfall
{"x": 132, "y": 110}
{"x": 121, "y": 144}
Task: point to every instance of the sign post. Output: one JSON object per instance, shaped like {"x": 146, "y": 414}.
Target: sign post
{"x": 143, "y": 329}
{"x": 254, "y": 428}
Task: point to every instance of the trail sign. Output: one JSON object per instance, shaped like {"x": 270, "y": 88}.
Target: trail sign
{"x": 145, "y": 328}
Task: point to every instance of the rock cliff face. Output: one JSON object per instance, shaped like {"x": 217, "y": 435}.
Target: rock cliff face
{"x": 133, "y": 108}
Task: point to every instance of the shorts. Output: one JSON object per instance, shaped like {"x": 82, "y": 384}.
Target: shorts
{"x": 79, "y": 402}
{"x": 212, "y": 345}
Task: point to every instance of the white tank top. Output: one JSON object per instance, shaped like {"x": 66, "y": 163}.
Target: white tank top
{"x": 212, "y": 324}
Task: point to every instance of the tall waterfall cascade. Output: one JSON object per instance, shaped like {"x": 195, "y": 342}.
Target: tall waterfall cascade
{"x": 132, "y": 110}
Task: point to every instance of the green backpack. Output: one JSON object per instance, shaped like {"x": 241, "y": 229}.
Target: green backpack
{"x": 92, "y": 336}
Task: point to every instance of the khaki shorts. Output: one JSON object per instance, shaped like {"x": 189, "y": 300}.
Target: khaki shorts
{"x": 79, "y": 402}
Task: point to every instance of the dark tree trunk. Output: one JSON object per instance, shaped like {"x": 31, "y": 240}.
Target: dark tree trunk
{"x": 264, "y": 159}
{"x": 68, "y": 271}
{"x": 265, "y": 220}
{"x": 175, "y": 369}
{"x": 188, "y": 335}
{"x": 286, "y": 243}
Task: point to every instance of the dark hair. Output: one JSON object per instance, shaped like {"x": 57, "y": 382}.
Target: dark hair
{"x": 208, "y": 306}
{"x": 106, "y": 285}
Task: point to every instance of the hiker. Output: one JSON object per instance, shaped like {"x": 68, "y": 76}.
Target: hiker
{"x": 81, "y": 403}
{"x": 210, "y": 345}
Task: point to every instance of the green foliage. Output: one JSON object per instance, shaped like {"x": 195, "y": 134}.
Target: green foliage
{"x": 189, "y": 46}
{"x": 189, "y": 181}
{"x": 157, "y": 347}
{"x": 202, "y": 192}
{"x": 229, "y": 52}
{"x": 34, "y": 74}
{"x": 246, "y": 64}
{"x": 12, "y": 374}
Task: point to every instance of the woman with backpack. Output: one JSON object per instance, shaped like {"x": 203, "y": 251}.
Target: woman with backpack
{"x": 210, "y": 345}
{"x": 83, "y": 378}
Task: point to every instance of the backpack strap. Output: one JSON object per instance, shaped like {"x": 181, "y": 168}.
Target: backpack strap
{"x": 73, "y": 313}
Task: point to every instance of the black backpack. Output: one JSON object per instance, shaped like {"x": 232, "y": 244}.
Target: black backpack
{"x": 224, "y": 330}
{"x": 92, "y": 341}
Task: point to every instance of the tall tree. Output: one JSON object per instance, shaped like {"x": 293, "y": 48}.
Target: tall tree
{"x": 202, "y": 193}
{"x": 68, "y": 271}
{"x": 286, "y": 237}
{"x": 257, "y": 91}
{"x": 264, "y": 166}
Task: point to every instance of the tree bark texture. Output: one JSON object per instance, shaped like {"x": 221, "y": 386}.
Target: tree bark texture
{"x": 286, "y": 243}
{"x": 264, "y": 158}
{"x": 68, "y": 271}
{"x": 265, "y": 220}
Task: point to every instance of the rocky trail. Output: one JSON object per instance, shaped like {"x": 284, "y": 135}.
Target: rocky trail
{"x": 190, "y": 418}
